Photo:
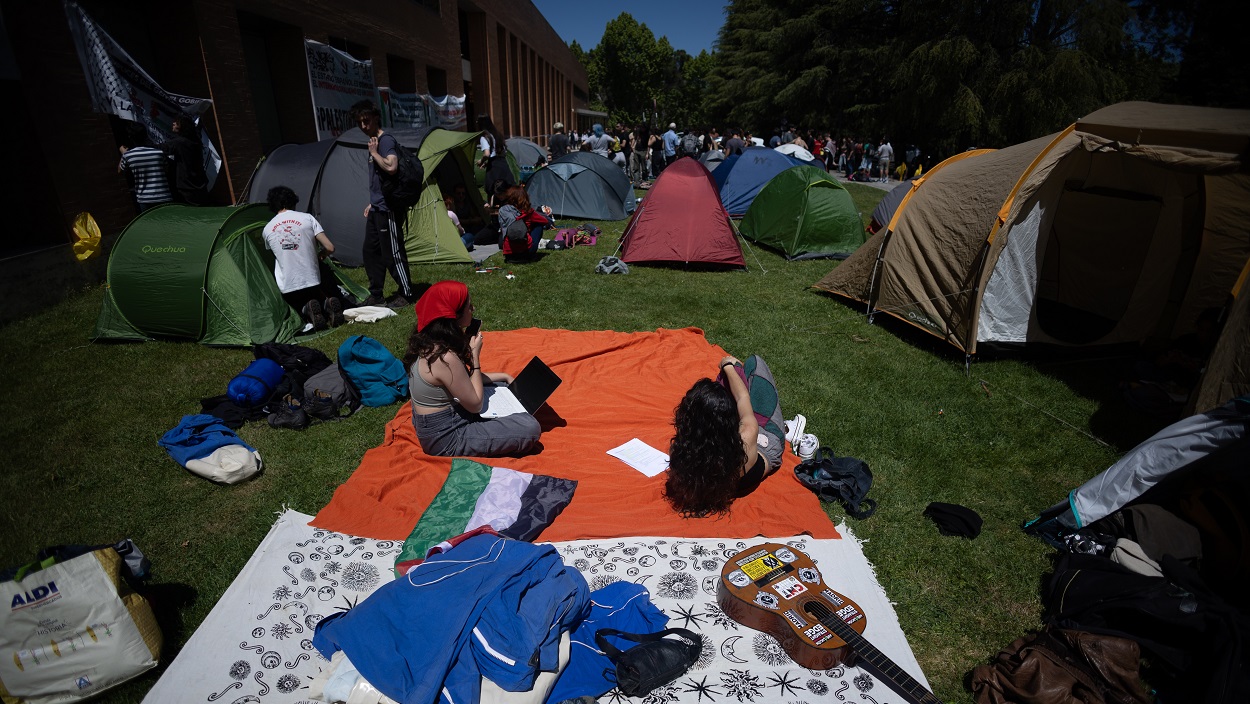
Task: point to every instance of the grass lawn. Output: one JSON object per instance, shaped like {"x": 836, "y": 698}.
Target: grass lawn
{"x": 1008, "y": 439}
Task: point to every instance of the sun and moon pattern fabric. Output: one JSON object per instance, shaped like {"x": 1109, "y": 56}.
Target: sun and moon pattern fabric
{"x": 255, "y": 647}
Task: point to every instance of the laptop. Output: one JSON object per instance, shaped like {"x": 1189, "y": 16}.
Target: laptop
{"x": 527, "y": 393}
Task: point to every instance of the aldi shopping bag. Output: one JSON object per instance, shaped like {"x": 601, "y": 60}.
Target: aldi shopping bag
{"x": 73, "y": 629}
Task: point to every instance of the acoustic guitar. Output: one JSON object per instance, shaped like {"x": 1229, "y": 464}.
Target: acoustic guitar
{"x": 778, "y": 590}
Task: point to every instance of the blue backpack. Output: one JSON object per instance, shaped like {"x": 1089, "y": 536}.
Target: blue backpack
{"x": 379, "y": 377}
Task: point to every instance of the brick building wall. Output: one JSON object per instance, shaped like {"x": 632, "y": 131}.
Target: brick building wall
{"x": 197, "y": 48}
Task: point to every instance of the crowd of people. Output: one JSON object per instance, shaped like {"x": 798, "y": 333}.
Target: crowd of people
{"x": 643, "y": 152}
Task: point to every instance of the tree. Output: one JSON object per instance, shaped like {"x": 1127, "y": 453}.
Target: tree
{"x": 635, "y": 77}
{"x": 950, "y": 74}
{"x": 631, "y": 69}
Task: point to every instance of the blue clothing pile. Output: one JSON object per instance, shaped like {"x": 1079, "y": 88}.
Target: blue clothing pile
{"x": 487, "y": 607}
{"x": 198, "y": 436}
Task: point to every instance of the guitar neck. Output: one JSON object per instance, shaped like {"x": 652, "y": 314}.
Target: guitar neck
{"x": 875, "y": 660}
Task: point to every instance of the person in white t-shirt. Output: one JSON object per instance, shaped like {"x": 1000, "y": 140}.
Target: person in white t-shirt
{"x": 293, "y": 237}
{"x": 885, "y": 154}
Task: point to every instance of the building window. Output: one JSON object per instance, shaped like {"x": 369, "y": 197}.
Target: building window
{"x": 402, "y": 74}
{"x": 436, "y": 80}
{"x": 431, "y": 5}
{"x": 465, "y": 50}
{"x": 360, "y": 52}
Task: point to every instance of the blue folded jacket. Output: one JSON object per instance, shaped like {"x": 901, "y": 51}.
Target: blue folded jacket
{"x": 198, "y": 436}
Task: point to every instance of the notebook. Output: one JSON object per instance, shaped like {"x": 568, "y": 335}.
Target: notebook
{"x": 527, "y": 393}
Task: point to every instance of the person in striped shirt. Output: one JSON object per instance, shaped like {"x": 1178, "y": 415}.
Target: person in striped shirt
{"x": 148, "y": 171}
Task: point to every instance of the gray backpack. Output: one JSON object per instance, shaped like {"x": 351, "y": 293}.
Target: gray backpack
{"x": 690, "y": 145}
{"x": 611, "y": 265}
{"x": 336, "y": 394}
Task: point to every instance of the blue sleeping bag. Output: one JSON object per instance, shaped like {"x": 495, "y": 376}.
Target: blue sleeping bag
{"x": 255, "y": 384}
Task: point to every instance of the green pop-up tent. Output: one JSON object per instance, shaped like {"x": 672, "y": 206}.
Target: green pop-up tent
{"x": 806, "y": 214}
{"x": 431, "y": 236}
{"x": 197, "y": 273}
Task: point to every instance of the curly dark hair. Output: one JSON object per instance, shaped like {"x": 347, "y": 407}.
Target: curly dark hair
{"x": 706, "y": 456}
{"x": 438, "y": 337}
{"x": 282, "y": 198}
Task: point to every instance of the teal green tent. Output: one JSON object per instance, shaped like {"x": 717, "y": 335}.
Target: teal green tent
{"x": 198, "y": 273}
{"x": 806, "y": 214}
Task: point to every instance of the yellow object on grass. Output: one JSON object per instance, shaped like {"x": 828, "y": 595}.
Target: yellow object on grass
{"x": 86, "y": 237}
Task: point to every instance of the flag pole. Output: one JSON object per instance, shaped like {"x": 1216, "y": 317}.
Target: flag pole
{"x": 225, "y": 162}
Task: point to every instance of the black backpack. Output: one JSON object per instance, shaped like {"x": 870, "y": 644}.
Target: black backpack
{"x": 402, "y": 189}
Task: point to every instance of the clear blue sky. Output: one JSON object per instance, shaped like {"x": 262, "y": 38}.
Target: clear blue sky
{"x": 689, "y": 24}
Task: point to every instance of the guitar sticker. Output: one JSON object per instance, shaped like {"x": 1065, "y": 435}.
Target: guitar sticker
{"x": 761, "y": 566}
{"x": 738, "y": 578}
{"x": 789, "y": 588}
{"x": 793, "y": 617}
{"x": 767, "y": 600}
{"x": 818, "y": 634}
{"x": 809, "y": 575}
{"x": 785, "y": 555}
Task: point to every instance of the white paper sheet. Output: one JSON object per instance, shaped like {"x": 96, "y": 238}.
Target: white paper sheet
{"x": 499, "y": 401}
{"x": 641, "y": 456}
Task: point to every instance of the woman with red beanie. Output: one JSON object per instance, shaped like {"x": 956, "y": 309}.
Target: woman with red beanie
{"x": 445, "y": 380}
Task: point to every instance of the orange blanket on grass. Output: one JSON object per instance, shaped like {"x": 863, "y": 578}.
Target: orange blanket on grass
{"x": 616, "y": 386}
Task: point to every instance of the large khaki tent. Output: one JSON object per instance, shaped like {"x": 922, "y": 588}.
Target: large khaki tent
{"x": 331, "y": 179}
{"x": 1122, "y": 228}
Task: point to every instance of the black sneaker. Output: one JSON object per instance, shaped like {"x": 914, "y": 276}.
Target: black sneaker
{"x": 312, "y": 314}
{"x": 373, "y": 300}
{"x": 321, "y": 406}
{"x": 334, "y": 312}
{"x": 289, "y": 415}
{"x": 398, "y": 301}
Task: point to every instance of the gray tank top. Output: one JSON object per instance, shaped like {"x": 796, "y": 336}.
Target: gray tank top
{"x": 424, "y": 393}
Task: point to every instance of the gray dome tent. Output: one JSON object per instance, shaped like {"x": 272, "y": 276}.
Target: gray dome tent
{"x": 885, "y": 209}
{"x": 332, "y": 183}
{"x": 583, "y": 185}
{"x": 526, "y": 152}
{"x": 1218, "y": 438}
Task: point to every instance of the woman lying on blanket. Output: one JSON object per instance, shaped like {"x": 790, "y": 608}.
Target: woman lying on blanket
{"x": 729, "y": 437}
{"x": 445, "y": 380}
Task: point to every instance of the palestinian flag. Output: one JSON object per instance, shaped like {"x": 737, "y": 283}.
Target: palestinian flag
{"x": 516, "y": 505}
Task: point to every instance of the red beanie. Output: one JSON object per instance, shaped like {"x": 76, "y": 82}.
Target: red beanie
{"x": 443, "y": 300}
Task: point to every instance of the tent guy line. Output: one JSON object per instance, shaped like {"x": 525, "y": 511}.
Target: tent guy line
{"x": 985, "y": 385}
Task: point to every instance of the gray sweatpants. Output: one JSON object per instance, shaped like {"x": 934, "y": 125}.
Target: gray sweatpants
{"x": 454, "y": 432}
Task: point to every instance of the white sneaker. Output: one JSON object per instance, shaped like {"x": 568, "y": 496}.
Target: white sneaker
{"x": 808, "y": 445}
{"x": 795, "y": 428}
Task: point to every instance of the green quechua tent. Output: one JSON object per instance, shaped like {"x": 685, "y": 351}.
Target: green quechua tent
{"x": 198, "y": 273}
{"x": 806, "y": 214}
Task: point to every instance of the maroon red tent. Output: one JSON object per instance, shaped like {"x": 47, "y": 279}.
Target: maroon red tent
{"x": 682, "y": 220}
